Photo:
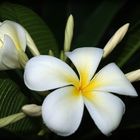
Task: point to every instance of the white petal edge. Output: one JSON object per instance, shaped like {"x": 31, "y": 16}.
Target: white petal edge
{"x": 47, "y": 72}
{"x": 9, "y": 55}
{"x": 106, "y": 110}
{"x": 111, "y": 79}
{"x": 62, "y": 111}
{"x": 16, "y": 32}
{"x": 86, "y": 61}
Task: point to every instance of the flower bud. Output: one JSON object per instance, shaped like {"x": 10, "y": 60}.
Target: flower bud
{"x": 133, "y": 75}
{"x": 68, "y": 33}
{"x": 32, "y": 110}
{"x": 115, "y": 39}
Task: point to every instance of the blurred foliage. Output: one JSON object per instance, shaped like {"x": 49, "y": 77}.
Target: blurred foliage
{"x": 95, "y": 23}
{"x": 11, "y": 101}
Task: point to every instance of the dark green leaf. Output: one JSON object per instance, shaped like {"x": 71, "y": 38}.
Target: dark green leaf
{"x": 11, "y": 101}
{"x": 97, "y": 23}
{"x": 132, "y": 45}
{"x": 37, "y": 28}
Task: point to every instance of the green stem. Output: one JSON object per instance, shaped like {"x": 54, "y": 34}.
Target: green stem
{"x": 11, "y": 119}
{"x": 41, "y": 132}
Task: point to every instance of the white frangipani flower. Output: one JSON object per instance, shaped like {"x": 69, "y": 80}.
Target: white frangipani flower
{"x": 13, "y": 41}
{"x": 62, "y": 110}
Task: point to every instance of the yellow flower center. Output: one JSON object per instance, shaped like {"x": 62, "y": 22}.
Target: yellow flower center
{"x": 83, "y": 88}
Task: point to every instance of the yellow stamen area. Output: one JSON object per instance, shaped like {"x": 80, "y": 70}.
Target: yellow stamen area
{"x": 92, "y": 84}
{"x": 80, "y": 91}
{"x": 84, "y": 79}
{"x": 84, "y": 88}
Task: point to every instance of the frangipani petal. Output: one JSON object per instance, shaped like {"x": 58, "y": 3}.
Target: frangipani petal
{"x": 16, "y": 33}
{"x": 31, "y": 44}
{"x": 8, "y": 61}
{"x": 86, "y": 61}
{"x": 47, "y": 72}
{"x": 111, "y": 79}
{"x": 62, "y": 111}
{"x": 105, "y": 109}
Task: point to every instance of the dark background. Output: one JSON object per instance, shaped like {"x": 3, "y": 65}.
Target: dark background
{"x": 55, "y": 14}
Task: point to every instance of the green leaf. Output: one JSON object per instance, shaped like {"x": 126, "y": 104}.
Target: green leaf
{"x": 37, "y": 28}
{"x": 97, "y": 23}
{"x": 11, "y": 101}
{"x": 131, "y": 45}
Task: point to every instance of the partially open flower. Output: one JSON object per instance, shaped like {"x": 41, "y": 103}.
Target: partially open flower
{"x": 62, "y": 110}
{"x": 13, "y": 41}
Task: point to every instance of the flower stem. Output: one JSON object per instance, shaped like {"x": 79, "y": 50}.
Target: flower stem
{"x": 11, "y": 119}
